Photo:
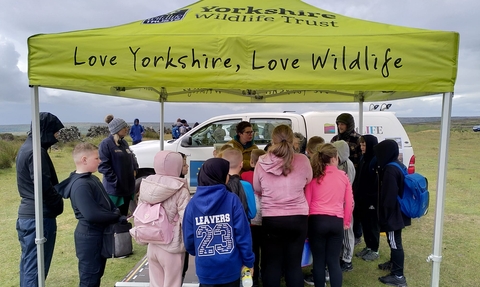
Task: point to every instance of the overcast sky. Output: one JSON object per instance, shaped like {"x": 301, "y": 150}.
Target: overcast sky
{"x": 23, "y": 18}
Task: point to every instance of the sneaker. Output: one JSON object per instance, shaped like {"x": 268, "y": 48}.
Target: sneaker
{"x": 308, "y": 279}
{"x": 358, "y": 240}
{"x": 371, "y": 256}
{"x": 386, "y": 266}
{"x": 362, "y": 252}
{"x": 393, "y": 280}
{"x": 346, "y": 266}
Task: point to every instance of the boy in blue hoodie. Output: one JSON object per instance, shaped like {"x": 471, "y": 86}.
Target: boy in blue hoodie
{"x": 216, "y": 230}
{"x": 94, "y": 210}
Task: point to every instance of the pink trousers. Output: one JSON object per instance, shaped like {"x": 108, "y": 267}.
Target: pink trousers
{"x": 165, "y": 268}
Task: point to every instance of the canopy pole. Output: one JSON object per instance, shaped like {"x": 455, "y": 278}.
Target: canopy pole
{"x": 37, "y": 175}
{"x": 361, "y": 100}
{"x": 163, "y": 95}
{"x": 436, "y": 257}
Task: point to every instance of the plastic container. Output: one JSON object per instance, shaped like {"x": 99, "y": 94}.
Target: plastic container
{"x": 246, "y": 277}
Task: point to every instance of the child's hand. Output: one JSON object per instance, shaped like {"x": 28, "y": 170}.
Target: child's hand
{"x": 123, "y": 219}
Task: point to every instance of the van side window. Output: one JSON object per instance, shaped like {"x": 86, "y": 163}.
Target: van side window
{"x": 217, "y": 132}
{"x": 263, "y": 128}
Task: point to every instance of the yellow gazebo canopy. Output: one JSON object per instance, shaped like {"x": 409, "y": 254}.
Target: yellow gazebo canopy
{"x": 248, "y": 51}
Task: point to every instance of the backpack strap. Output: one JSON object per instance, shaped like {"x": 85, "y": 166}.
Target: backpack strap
{"x": 404, "y": 171}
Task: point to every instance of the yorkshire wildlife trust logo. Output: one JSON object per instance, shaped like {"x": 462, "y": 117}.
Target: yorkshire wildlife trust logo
{"x": 165, "y": 18}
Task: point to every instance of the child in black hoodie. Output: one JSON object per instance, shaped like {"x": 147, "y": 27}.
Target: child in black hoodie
{"x": 391, "y": 219}
{"x": 94, "y": 210}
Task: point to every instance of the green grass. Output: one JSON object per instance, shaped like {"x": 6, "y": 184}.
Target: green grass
{"x": 460, "y": 233}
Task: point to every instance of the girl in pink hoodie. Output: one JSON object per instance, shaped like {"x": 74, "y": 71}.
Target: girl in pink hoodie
{"x": 280, "y": 177}
{"x": 330, "y": 200}
{"x": 165, "y": 261}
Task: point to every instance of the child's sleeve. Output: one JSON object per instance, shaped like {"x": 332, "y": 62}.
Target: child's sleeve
{"x": 252, "y": 207}
{"x": 188, "y": 231}
{"x": 84, "y": 199}
{"x": 348, "y": 209}
{"x": 243, "y": 236}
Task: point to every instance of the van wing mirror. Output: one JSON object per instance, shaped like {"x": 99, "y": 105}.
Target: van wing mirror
{"x": 186, "y": 141}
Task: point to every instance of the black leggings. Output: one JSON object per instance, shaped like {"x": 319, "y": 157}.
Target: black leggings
{"x": 325, "y": 235}
{"x": 283, "y": 238}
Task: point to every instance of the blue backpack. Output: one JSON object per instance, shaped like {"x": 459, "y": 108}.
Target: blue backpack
{"x": 415, "y": 199}
{"x": 175, "y": 132}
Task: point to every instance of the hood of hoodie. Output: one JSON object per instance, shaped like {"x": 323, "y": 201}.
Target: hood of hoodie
{"x": 271, "y": 163}
{"x": 370, "y": 142}
{"x": 49, "y": 125}
{"x": 168, "y": 163}
{"x": 64, "y": 188}
{"x": 209, "y": 198}
{"x": 166, "y": 181}
{"x": 348, "y": 120}
{"x": 342, "y": 149}
{"x": 386, "y": 151}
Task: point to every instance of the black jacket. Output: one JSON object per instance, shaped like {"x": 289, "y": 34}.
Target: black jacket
{"x": 391, "y": 178}
{"x": 52, "y": 201}
{"x": 90, "y": 203}
{"x": 365, "y": 187}
{"x": 117, "y": 166}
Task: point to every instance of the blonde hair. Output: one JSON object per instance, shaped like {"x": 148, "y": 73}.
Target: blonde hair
{"x": 81, "y": 149}
{"x": 223, "y": 148}
{"x": 313, "y": 142}
{"x": 320, "y": 158}
{"x": 282, "y": 146}
{"x": 233, "y": 156}
{"x": 255, "y": 154}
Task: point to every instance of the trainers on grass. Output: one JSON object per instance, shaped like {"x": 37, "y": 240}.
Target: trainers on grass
{"x": 393, "y": 280}
{"x": 309, "y": 279}
{"x": 358, "y": 240}
{"x": 346, "y": 266}
{"x": 371, "y": 256}
{"x": 387, "y": 266}
{"x": 362, "y": 252}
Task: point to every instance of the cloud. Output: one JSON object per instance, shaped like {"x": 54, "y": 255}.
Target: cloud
{"x": 22, "y": 19}
{"x": 14, "y": 84}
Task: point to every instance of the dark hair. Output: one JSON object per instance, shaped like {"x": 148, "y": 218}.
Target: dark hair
{"x": 242, "y": 125}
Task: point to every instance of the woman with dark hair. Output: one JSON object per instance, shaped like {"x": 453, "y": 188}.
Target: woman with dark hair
{"x": 216, "y": 216}
{"x": 280, "y": 177}
{"x": 244, "y": 142}
{"x": 330, "y": 201}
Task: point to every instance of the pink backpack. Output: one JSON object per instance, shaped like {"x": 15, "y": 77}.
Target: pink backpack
{"x": 152, "y": 225}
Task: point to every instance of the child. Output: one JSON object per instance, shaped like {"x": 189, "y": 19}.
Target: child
{"x": 366, "y": 198}
{"x": 330, "y": 200}
{"x": 216, "y": 216}
{"x": 346, "y": 165}
{"x": 243, "y": 189}
{"x": 166, "y": 186}
{"x": 256, "y": 223}
{"x": 312, "y": 145}
{"x": 391, "y": 219}
{"x": 94, "y": 210}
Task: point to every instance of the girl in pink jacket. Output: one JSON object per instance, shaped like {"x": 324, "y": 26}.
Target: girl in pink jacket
{"x": 280, "y": 176}
{"x": 330, "y": 200}
{"x": 165, "y": 261}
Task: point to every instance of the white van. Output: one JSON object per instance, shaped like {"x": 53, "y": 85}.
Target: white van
{"x": 198, "y": 143}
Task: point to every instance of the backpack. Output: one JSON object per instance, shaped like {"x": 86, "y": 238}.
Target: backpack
{"x": 152, "y": 225}
{"x": 175, "y": 132}
{"x": 415, "y": 200}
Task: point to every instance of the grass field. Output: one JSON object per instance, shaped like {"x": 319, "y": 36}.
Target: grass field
{"x": 460, "y": 239}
